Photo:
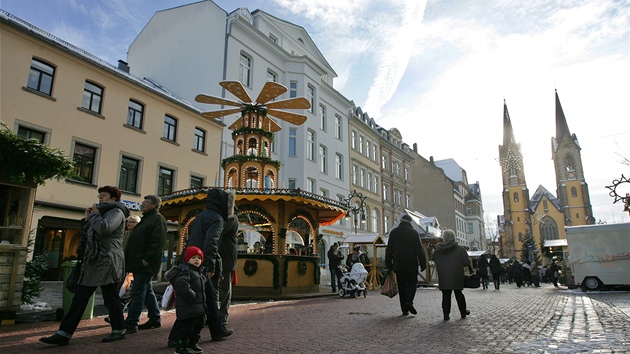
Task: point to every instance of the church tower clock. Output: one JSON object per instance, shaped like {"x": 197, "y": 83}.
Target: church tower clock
{"x": 572, "y": 189}
{"x": 516, "y": 209}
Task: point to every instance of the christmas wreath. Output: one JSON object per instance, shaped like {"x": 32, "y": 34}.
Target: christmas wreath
{"x": 301, "y": 267}
{"x": 250, "y": 268}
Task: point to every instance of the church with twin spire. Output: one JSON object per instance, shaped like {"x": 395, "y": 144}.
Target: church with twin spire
{"x": 542, "y": 215}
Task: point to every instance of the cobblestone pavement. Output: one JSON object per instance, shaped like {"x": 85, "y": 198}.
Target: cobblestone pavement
{"x": 526, "y": 320}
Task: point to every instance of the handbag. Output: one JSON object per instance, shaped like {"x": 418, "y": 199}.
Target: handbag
{"x": 472, "y": 281}
{"x": 390, "y": 288}
{"x": 168, "y": 299}
{"x": 72, "y": 282}
{"x": 125, "y": 288}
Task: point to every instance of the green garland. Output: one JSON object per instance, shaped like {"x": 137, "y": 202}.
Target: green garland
{"x": 301, "y": 267}
{"x": 251, "y": 267}
{"x": 246, "y": 130}
{"x": 244, "y": 158}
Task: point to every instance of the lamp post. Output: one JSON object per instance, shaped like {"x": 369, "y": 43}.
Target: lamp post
{"x": 356, "y": 206}
{"x": 474, "y": 245}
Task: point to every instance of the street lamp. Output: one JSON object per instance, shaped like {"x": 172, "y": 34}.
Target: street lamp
{"x": 356, "y": 206}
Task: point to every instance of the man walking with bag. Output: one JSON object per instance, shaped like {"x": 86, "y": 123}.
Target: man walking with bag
{"x": 143, "y": 258}
{"x": 404, "y": 254}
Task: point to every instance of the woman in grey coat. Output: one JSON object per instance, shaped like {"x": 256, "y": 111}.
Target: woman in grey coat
{"x": 450, "y": 259}
{"x": 102, "y": 264}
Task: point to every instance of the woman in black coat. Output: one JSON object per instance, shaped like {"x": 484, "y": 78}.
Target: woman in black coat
{"x": 495, "y": 269}
{"x": 483, "y": 271}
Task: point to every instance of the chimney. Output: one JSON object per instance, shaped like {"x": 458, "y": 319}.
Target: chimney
{"x": 415, "y": 147}
{"x": 431, "y": 159}
{"x": 122, "y": 65}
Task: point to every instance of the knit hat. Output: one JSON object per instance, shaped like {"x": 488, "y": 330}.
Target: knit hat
{"x": 192, "y": 251}
{"x": 406, "y": 218}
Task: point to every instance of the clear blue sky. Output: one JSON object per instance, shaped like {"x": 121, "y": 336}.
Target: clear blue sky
{"x": 439, "y": 71}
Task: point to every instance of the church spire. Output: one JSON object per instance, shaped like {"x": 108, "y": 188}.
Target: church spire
{"x": 508, "y": 133}
{"x": 562, "y": 128}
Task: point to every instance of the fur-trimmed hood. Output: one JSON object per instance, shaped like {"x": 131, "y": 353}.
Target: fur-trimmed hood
{"x": 221, "y": 201}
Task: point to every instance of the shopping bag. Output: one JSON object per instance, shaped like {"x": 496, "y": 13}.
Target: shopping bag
{"x": 73, "y": 279}
{"x": 125, "y": 288}
{"x": 472, "y": 281}
{"x": 390, "y": 288}
{"x": 234, "y": 278}
{"x": 168, "y": 299}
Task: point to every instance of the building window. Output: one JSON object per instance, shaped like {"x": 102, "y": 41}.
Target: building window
{"x": 292, "y": 183}
{"x": 338, "y": 127}
{"x": 385, "y": 193}
{"x": 196, "y": 182}
{"x": 407, "y": 176}
{"x": 368, "y": 149}
{"x": 384, "y": 162}
{"x": 548, "y": 229}
{"x": 165, "y": 181}
{"x": 374, "y": 154}
{"x": 516, "y": 196}
{"x": 354, "y": 140}
{"x": 369, "y": 181}
{"x": 355, "y": 174}
{"x": 292, "y": 142}
{"x": 310, "y": 185}
{"x": 323, "y": 192}
{"x": 128, "y": 180}
{"x": 468, "y": 210}
{"x": 408, "y": 201}
{"x": 271, "y": 76}
{"x": 322, "y": 159}
{"x": 84, "y": 158}
{"x": 386, "y": 224}
{"x": 362, "y": 178}
{"x": 310, "y": 145}
{"x": 170, "y": 128}
{"x": 469, "y": 228}
{"x": 135, "y": 114}
{"x": 293, "y": 89}
{"x": 361, "y": 145}
{"x": 322, "y": 117}
{"x": 375, "y": 226}
{"x": 574, "y": 192}
{"x": 200, "y": 140}
{"x": 28, "y": 133}
{"x": 310, "y": 96}
{"x": 92, "y": 97}
{"x": 40, "y": 78}
{"x": 245, "y": 70}
{"x": 338, "y": 167}
{"x": 376, "y": 183}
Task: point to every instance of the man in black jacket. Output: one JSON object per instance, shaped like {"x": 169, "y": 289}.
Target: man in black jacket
{"x": 404, "y": 254}
{"x": 205, "y": 233}
{"x": 334, "y": 261}
{"x": 143, "y": 258}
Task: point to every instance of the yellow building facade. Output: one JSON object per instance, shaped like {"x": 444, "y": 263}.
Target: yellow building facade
{"x": 118, "y": 129}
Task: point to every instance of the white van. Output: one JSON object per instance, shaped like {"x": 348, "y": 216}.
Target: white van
{"x": 599, "y": 255}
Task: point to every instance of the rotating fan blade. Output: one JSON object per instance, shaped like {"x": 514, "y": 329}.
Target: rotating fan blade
{"x": 216, "y": 100}
{"x": 222, "y": 113}
{"x": 293, "y": 118}
{"x": 237, "y": 89}
{"x": 270, "y": 91}
{"x": 291, "y": 103}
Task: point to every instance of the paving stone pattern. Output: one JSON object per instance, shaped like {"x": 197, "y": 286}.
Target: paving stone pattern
{"x": 511, "y": 320}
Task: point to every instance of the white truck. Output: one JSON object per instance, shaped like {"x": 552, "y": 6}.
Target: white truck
{"x": 599, "y": 255}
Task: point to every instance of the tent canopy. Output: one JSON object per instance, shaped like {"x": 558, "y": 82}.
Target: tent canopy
{"x": 476, "y": 253}
{"x": 375, "y": 239}
{"x": 556, "y": 243}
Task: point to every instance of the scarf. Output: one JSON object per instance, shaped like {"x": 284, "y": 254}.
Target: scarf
{"x": 89, "y": 244}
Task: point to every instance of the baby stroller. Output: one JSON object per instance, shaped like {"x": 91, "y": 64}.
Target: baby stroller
{"x": 353, "y": 282}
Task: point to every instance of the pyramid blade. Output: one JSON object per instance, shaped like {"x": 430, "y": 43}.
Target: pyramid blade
{"x": 293, "y": 118}
{"x": 271, "y": 125}
{"x": 291, "y": 103}
{"x": 270, "y": 91}
{"x": 216, "y": 100}
{"x": 222, "y": 113}
{"x": 237, "y": 89}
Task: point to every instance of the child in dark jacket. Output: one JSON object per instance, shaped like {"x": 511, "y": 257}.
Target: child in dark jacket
{"x": 190, "y": 301}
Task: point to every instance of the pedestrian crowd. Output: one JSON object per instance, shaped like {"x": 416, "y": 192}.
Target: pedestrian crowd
{"x": 114, "y": 244}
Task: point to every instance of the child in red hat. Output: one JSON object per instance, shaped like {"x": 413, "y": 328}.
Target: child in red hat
{"x": 190, "y": 306}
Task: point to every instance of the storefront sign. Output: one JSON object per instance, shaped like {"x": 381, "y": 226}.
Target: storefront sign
{"x": 132, "y": 205}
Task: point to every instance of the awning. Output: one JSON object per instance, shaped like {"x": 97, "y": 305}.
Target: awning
{"x": 476, "y": 253}
{"x": 556, "y": 243}
{"x": 375, "y": 239}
